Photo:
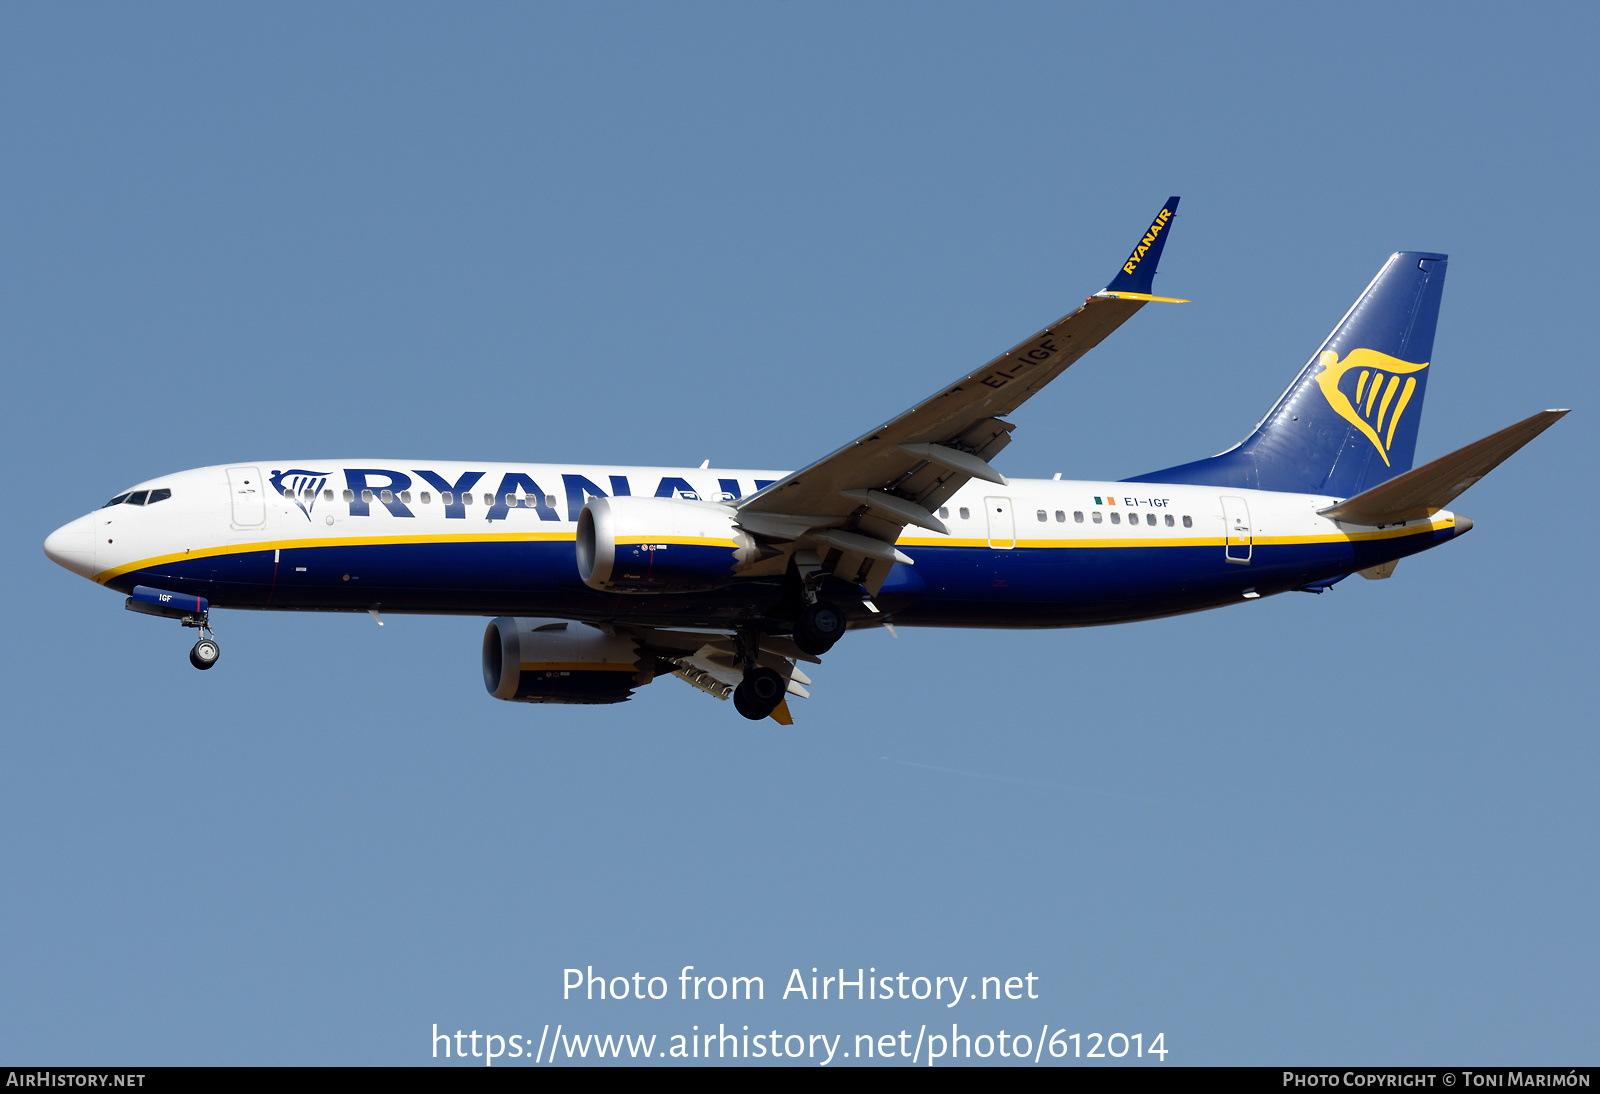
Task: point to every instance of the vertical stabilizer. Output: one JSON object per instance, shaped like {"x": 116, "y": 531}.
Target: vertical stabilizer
{"x": 1349, "y": 421}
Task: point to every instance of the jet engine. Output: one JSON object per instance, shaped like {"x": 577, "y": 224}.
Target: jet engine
{"x": 558, "y": 661}
{"x": 662, "y": 545}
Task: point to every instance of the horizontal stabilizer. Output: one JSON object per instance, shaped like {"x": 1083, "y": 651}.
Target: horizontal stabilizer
{"x": 1423, "y": 490}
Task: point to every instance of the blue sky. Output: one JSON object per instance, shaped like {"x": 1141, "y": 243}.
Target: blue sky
{"x": 1359, "y": 827}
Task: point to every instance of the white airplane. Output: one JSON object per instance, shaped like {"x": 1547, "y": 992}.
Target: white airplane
{"x": 600, "y": 579}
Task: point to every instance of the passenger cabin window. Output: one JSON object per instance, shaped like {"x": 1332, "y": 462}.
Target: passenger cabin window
{"x": 1116, "y": 518}
{"x": 511, "y": 501}
{"x": 137, "y": 497}
{"x": 488, "y": 499}
{"x": 1061, "y": 516}
{"x": 327, "y": 495}
{"x": 308, "y": 494}
{"x": 466, "y": 499}
{"x": 118, "y": 500}
{"x": 944, "y": 510}
{"x": 1187, "y": 523}
{"x": 405, "y": 496}
{"x": 1077, "y": 516}
{"x": 1096, "y": 516}
{"x": 1043, "y": 516}
{"x": 366, "y": 495}
{"x": 1169, "y": 520}
{"x": 426, "y": 497}
{"x": 446, "y": 498}
{"x": 387, "y": 496}
{"x": 349, "y": 495}
{"x": 549, "y": 501}
{"x": 965, "y": 514}
{"x": 1150, "y": 519}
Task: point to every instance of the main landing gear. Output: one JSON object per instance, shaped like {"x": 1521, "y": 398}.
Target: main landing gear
{"x": 762, "y": 688}
{"x": 760, "y": 693}
{"x": 820, "y": 625}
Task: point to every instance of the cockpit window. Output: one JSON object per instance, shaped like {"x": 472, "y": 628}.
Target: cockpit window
{"x": 159, "y": 495}
{"x": 118, "y": 500}
{"x": 138, "y": 497}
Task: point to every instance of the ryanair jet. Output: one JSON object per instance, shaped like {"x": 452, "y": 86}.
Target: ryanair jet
{"x": 600, "y": 579}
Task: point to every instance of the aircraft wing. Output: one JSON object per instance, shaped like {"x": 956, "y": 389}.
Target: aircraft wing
{"x": 852, "y": 505}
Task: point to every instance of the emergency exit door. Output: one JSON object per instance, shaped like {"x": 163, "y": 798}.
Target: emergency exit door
{"x": 1002, "y": 525}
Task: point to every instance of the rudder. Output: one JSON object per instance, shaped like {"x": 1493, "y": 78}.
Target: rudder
{"x": 1349, "y": 420}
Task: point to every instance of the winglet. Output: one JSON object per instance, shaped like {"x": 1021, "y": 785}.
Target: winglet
{"x": 1134, "y": 280}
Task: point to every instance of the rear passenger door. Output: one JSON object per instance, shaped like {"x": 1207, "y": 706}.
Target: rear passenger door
{"x": 1236, "y": 529}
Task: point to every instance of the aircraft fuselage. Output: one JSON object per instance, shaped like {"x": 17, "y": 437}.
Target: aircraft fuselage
{"x": 488, "y": 539}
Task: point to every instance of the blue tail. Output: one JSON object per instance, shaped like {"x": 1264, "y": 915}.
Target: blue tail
{"x": 1349, "y": 421}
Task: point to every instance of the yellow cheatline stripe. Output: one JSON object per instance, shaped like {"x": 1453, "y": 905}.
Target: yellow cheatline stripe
{"x": 1156, "y": 540}
{"x": 1147, "y": 296}
{"x": 574, "y": 666}
{"x": 355, "y": 541}
{"x": 690, "y": 541}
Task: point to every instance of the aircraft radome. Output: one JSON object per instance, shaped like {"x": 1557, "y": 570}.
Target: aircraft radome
{"x": 599, "y": 579}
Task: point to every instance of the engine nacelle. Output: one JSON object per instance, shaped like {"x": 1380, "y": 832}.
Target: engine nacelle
{"x": 558, "y": 661}
{"x": 661, "y": 545}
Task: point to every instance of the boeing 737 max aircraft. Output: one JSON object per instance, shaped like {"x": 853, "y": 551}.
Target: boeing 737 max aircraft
{"x": 600, "y": 579}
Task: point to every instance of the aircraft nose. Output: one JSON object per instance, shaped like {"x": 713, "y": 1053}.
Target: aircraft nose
{"x": 72, "y": 546}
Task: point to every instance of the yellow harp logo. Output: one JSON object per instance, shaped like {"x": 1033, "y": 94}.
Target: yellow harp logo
{"x": 1378, "y": 395}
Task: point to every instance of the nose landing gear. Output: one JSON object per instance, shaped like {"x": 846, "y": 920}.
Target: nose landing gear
{"x": 205, "y": 653}
{"x": 191, "y": 611}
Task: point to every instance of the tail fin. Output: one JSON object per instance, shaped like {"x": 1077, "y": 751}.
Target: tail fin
{"x": 1349, "y": 421}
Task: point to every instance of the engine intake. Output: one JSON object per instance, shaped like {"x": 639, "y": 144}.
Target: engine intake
{"x": 558, "y": 661}
{"x": 661, "y": 545}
